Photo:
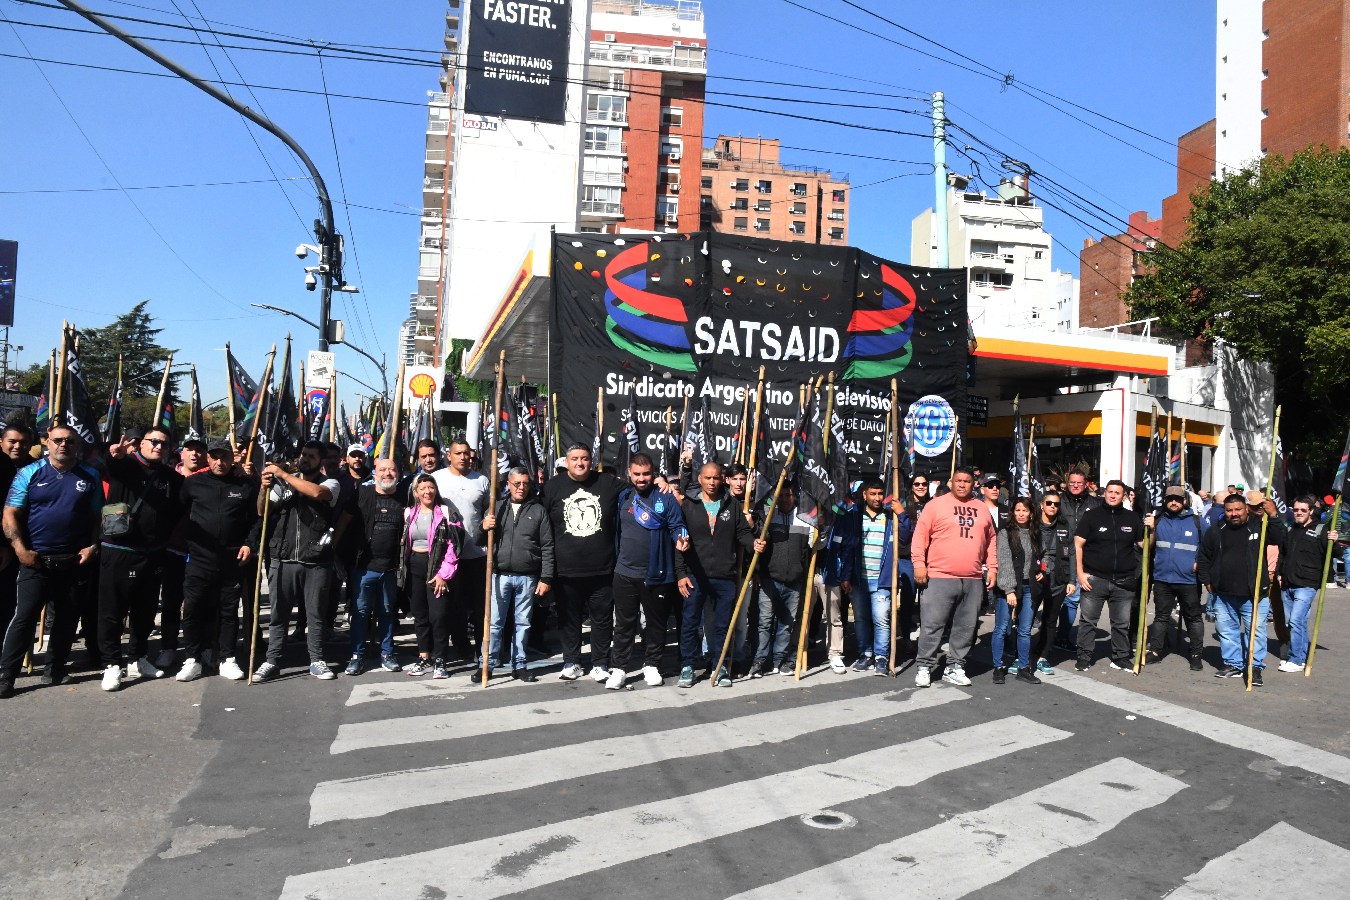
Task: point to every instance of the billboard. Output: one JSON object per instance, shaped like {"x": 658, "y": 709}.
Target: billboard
{"x": 9, "y": 264}
{"x": 676, "y": 319}
{"x": 516, "y": 65}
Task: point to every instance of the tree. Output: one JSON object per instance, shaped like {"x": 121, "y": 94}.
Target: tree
{"x": 1265, "y": 266}
{"x": 132, "y": 335}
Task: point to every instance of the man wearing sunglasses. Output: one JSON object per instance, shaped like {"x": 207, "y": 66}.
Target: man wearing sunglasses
{"x": 1176, "y": 542}
{"x": 51, "y": 521}
{"x": 141, "y": 511}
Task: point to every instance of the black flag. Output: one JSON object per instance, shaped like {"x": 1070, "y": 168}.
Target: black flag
{"x": 283, "y": 420}
{"x": 630, "y": 442}
{"x": 76, "y": 410}
{"x": 1154, "y": 475}
{"x": 196, "y": 429}
{"x": 821, "y": 474}
{"x": 112, "y": 425}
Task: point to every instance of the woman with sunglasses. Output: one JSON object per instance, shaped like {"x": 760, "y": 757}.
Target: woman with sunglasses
{"x": 1058, "y": 590}
{"x": 1019, "y": 570}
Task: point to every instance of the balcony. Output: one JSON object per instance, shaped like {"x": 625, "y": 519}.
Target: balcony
{"x": 432, "y": 214}
{"x": 601, "y": 208}
{"x": 433, "y": 185}
{"x": 435, "y": 156}
{"x": 606, "y": 117}
{"x": 602, "y": 178}
{"x": 438, "y": 98}
{"x": 689, "y": 59}
{"x": 1005, "y": 258}
{"x": 438, "y": 126}
{"x": 428, "y": 273}
{"x": 430, "y": 243}
{"x": 612, "y": 148}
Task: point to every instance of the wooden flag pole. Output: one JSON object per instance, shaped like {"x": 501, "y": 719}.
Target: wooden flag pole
{"x": 391, "y": 425}
{"x": 956, "y": 430}
{"x": 163, "y": 394}
{"x": 1142, "y": 636}
{"x": 740, "y": 455}
{"x": 750, "y": 570}
{"x": 61, "y": 375}
{"x": 1261, "y": 557}
{"x": 557, "y": 440}
{"x": 753, "y": 457}
{"x": 895, "y": 527}
{"x": 599, "y": 427}
{"x": 665, "y": 447}
{"x": 1322, "y": 589}
{"x": 262, "y": 392}
{"x": 492, "y": 535}
{"x": 1183, "y": 453}
{"x": 229, "y": 387}
{"x": 257, "y": 579}
{"x": 815, "y": 553}
{"x": 679, "y": 454}
{"x": 1169, "y": 450}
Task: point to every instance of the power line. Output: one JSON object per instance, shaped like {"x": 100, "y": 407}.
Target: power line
{"x": 145, "y": 187}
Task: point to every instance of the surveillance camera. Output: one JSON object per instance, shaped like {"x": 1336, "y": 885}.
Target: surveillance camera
{"x": 302, "y": 251}
{"x": 310, "y": 281}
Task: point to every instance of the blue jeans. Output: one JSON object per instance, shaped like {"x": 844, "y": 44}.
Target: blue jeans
{"x": 1297, "y": 602}
{"x": 1345, "y": 564}
{"x": 777, "y": 611}
{"x": 862, "y": 616}
{"x": 515, "y": 593}
{"x": 1003, "y": 618}
{"x": 722, "y": 592}
{"x": 1068, "y": 618}
{"x": 878, "y": 638}
{"x": 377, "y": 600}
{"x": 1235, "y": 629}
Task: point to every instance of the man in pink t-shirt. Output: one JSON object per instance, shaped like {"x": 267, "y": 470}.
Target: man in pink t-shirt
{"x": 954, "y": 562}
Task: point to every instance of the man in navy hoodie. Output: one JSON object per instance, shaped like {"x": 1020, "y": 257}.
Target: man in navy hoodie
{"x": 651, "y": 528}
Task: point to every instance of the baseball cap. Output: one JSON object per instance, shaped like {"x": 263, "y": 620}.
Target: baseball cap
{"x": 192, "y": 440}
{"x": 1175, "y": 490}
{"x": 219, "y": 445}
{"x": 1255, "y": 498}
{"x": 356, "y": 448}
{"x": 990, "y": 479}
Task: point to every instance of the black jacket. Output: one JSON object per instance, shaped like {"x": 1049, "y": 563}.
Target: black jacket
{"x": 712, "y": 550}
{"x": 1057, "y": 552}
{"x": 157, "y": 488}
{"x": 221, "y": 516}
{"x": 523, "y": 543}
{"x": 298, "y": 530}
{"x": 377, "y": 521}
{"x": 1302, "y": 555}
{"x": 1072, "y": 510}
{"x": 449, "y": 534}
{"x": 1111, "y": 534}
{"x": 1228, "y": 557}
{"x": 789, "y": 542}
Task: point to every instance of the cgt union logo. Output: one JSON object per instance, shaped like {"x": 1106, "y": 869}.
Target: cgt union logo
{"x": 931, "y": 425}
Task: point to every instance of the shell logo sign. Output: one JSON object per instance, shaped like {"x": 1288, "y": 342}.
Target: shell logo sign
{"x": 421, "y": 385}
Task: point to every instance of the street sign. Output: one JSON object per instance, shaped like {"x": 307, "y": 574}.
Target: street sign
{"x": 979, "y": 410}
{"x": 319, "y": 367}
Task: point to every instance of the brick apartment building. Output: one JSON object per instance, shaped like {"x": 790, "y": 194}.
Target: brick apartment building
{"x": 1282, "y": 85}
{"x": 746, "y": 189}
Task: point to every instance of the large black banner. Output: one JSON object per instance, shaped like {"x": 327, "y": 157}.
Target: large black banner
{"x": 692, "y": 317}
{"x": 517, "y": 59}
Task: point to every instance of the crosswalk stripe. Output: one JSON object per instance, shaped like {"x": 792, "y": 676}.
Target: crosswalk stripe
{"x": 1280, "y": 862}
{"x": 1282, "y": 750}
{"x": 547, "y": 710}
{"x": 377, "y": 795}
{"x": 977, "y": 849}
{"x": 506, "y": 864}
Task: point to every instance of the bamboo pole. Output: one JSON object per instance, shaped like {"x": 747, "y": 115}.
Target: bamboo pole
{"x": 1183, "y": 454}
{"x": 257, "y": 584}
{"x": 391, "y": 424}
{"x": 741, "y": 449}
{"x": 750, "y": 570}
{"x": 162, "y": 397}
{"x": 1169, "y": 450}
{"x": 753, "y": 457}
{"x": 1031, "y": 443}
{"x": 1322, "y": 586}
{"x": 262, "y": 392}
{"x": 557, "y": 440}
{"x": 679, "y": 454}
{"x": 815, "y": 553}
{"x": 665, "y": 446}
{"x": 956, "y": 426}
{"x": 492, "y": 535}
{"x": 599, "y": 427}
{"x": 229, "y": 390}
{"x": 1141, "y": 637}
{"x": 895, "y": 528}
{"x": 61, "y": 375}
{"x": 1261, "y": 557}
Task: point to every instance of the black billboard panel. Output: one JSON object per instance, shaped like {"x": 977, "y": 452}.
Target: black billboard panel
{"x": 517, "y": 59}
{"x": 9, "y": 265}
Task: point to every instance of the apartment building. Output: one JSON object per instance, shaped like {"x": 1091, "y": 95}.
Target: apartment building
{"x": 744, "y": 188}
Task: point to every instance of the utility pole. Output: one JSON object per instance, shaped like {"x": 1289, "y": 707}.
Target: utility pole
{"x": 940, "y": 178}
{"x": 329, "y": 241}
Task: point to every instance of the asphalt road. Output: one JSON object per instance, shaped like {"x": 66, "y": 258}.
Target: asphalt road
{"x": 1099, "y": 786}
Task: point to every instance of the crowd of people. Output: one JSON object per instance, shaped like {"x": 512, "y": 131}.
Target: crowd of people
{"x": 155, "y": 536}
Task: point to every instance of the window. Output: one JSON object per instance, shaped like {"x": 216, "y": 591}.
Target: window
{"x": 604, "y": 139}
{"x": 672, "y": 149}
{"x": 765, "y": 186}
{"x": 799, "y": 209}
{"x": 797, "y": 228}
{"x": 668, "y": 209}
{"x": 672, "y": 116}
{"x": 705, "y": 201}
{"x": 606, "y": 108}
{"x": 740, "y": 203}
{"x": 836, "y": 215}
{"x": 836, "y": 234}
{"x": 741, "y": 184}
{"x": 601, "y": 200}
{"x": 1040, "y": 254}
{"x": 669, "y": 180}
{"x": 799, "y": 189}
{"x": 602, "y": 170}
{"x": 706, "y": 182}
{"x": 837, "y": 195}
{"x": 761, "y": 224}
{"x": 996, "y": 280}
{"x": 763, "y": 206}
{"x": 741, "y": 224}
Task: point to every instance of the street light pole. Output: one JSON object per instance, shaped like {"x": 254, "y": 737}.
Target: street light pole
{"x": 379, "y": 363}
{"x": 325, "y": 229}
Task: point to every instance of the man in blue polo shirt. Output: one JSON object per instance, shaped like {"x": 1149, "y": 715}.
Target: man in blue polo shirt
{"x": 51, "y": 520}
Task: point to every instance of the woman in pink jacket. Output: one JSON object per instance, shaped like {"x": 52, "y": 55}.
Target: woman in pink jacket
{"x": 431, "y": 542}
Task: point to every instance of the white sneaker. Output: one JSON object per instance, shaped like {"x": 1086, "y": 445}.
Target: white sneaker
{"x": 599, "y": 674}
{"x": 956, "y": 675}
{"x": 570, "y": 673}
{"x": 112, "y": 678}
{"x": 166, "y": 659}
{"x": 837, "y": 664}
{"x": 148, "y": 669}
{"x": 191, "y": 671}
{"x": 923, "y": 677}
{"x": 230, "y": 669}
{"x": 1288, "y": 666}
{"x": 615, "y": 680}
{"x": 651, "y": 676}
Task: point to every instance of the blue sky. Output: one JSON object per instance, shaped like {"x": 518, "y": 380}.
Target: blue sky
{"x": 202, "y": 253}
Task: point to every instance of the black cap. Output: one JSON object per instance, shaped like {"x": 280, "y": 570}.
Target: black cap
{"x": 219, "y": 445}
{"x": 192, "y": 439}
{"x": 991, "y": 479}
